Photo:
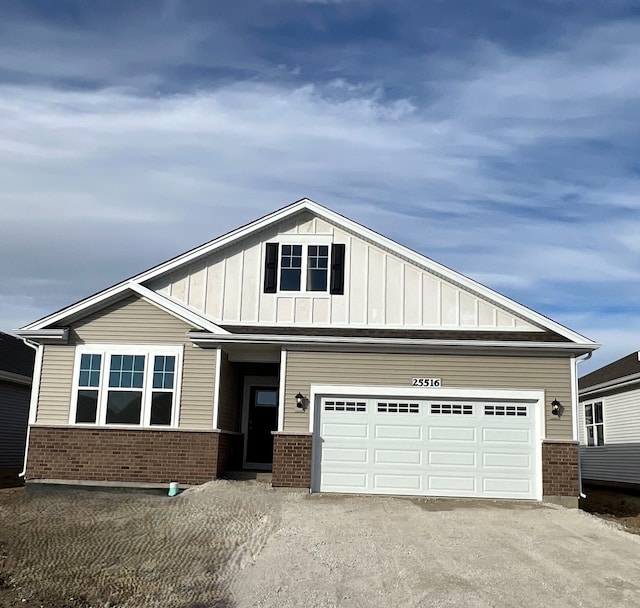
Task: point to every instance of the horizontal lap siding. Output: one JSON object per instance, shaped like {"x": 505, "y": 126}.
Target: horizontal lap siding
{"x": 617, "y": 462}
{"x": 55, "y": 385}
{"x": 552, "y": 375}
{"x": 131, "y": 321}
{"x": 619, "y": 459}
{"x": 14, "y": 414}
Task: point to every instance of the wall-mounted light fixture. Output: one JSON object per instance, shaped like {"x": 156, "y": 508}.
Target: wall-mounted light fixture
{"x": 300, "y": 401}
{"x": 555, "y": 407}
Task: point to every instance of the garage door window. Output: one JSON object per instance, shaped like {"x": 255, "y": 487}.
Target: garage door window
{"x": 452, "y": 408}
{"x": 505, "y": 410}
{"x": 345, "y": 406}
{"x": 398, "y": 408}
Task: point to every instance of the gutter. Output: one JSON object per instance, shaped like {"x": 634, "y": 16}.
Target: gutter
{"x": 611, "y": 384}
{"x": 35, "y": 388}
{"x": 58, "y": 334}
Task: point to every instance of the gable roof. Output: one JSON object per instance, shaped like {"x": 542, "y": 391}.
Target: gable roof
{"x": 323, "y": 212}
{"x": 623, "y": 370}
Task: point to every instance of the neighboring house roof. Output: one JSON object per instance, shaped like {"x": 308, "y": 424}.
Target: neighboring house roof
{"x": 137, "y": 283}
{"x": 16, "y": 358}
{"x": 621, "y": 372}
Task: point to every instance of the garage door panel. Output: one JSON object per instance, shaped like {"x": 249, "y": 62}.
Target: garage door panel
{"x": 398, "y": 483}
{"x": 345, "y": 455}
{"x": 356, "y": 481}
{"x": 356, "y": 431}
{"x": 506, "y": 435}
{"x": 424, "y": 448}
{"x": 452, "y": 458}
{"x": 452, "y": 484}
{"x": 506, "y": 460}
{"x": 398, "y": 456}
{"x": 386, "y": 431}
{"x": 503, "y": 486}
{"x": 448, "y": 433}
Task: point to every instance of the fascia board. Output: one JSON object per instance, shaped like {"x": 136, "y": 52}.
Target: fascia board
{"x": 340, "y": 220}
{"x": 198, "y": 338}
{"x": 61, "y": 333}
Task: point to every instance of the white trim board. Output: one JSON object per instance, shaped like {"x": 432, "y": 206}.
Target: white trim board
{"x": 341, "y": 221}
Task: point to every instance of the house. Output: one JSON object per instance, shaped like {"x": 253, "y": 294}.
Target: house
{"x": 608, "y": 426}
{"x": 16, "y": 370}
{"x": 308, "y": 345}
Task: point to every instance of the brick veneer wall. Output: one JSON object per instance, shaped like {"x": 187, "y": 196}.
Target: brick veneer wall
{"x": 560, "y": 468}
{"x": 291, "y": 461}
{"x": 189, "y": 457}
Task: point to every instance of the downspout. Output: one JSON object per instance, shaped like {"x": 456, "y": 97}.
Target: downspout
{"x": 35, "y": 390}
{"x": 575, "y": 404}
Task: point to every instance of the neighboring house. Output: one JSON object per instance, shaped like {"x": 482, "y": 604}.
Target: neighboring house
{"x": 608, "y": 423}
{"x": 16, "y": 371}
{"x": 308, "y": 345}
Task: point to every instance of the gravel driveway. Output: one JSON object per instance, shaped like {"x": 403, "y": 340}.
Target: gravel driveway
{"x": 241, "y": 544}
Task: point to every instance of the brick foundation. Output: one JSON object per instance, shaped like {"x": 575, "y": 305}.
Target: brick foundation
{"x": 560, "y": 471}
{"x": 154, "y": 456}
{"x": 291, "y": 461}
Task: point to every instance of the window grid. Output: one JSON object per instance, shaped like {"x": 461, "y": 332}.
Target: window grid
{"x": 90, "y": 366}
{"x": 505, "y": 410}
{"x": 290, "y": 267}
{"x": 345, "y": 406}
{"x": 163, "y": 372}
{"x": 398, "y": 408}
{"x": 452, "y": 408}
{"x": 127, "y": 371}
{"x": 317, "y": 267}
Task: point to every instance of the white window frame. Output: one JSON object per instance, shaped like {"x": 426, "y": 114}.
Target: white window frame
{"x": 594, "y": 424}
{"x": 149, "y": 352}
{"x": 305, "y": 240}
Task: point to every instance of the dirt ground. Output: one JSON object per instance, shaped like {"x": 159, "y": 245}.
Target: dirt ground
{"x": 243, "y": 544}
{"x": 618, "y": 506}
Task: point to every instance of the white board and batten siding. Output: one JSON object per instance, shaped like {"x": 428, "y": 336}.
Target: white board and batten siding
{"x": 618, "y": 460}
{"x": 483, "y": 444}
{"x": 382, "y": 289}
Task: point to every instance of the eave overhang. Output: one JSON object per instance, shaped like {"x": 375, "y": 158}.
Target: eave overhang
{"x": 347, "y": 343}
{"x": 57, "y": 334}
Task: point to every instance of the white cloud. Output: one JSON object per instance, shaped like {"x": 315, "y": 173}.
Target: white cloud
{"x": 493, "y": 176}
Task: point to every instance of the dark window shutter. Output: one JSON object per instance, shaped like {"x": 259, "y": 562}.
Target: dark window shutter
{"x": 337, "y": 269}
{"x": 271, "y": 268}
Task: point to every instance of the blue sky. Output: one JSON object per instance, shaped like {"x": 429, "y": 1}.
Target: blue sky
{"x": 499, "y": 138}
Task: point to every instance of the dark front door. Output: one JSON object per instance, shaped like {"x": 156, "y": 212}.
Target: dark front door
{"x": 263, "y": 418}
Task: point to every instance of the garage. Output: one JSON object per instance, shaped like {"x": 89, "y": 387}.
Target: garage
{"x": 484, "y": 444}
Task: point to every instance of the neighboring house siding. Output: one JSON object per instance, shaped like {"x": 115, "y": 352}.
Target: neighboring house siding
{"x": 381, "y": 288}
{"x": 619, "y": 459}
{"x": 456, "y": 371}
{"x": 131, "y": 321}
{"x": 14, "y": 414}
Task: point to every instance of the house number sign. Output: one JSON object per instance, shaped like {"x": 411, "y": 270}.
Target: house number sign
{"x": 426, "y": 382}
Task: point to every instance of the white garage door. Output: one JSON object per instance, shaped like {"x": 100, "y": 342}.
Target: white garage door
{"x": 427, "y": 447}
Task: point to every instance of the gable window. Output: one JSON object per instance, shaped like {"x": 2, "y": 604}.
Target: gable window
{"x": 594, "y": 423}
{"x": 125, "y": 385}
{"x": 304, "y": 268}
